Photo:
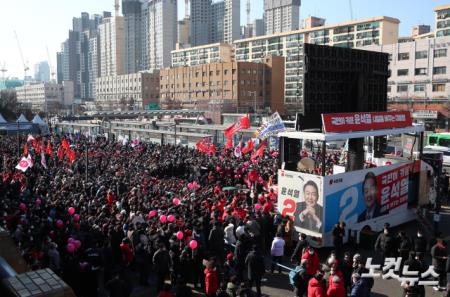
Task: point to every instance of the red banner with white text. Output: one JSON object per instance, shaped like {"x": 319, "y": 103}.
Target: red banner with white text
{"x": 365, "y": 121}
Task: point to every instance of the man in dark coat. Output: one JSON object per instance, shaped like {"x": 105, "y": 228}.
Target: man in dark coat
{"x": 338, "y": 238}
{"x": 298, "y": 251}
{"x": 386, "y": 243}
{"x": 420, "y": 243}
{"x": 216, "y": 241}
{"x": 255, "y": 269}
{"x": 439, "y": 256}
{"x": 161, "y": 265}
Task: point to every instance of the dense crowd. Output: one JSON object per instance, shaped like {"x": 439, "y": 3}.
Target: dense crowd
{"x": 146, "y": 213}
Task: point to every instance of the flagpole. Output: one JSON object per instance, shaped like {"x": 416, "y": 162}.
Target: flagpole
{"x": 87, "y": 164}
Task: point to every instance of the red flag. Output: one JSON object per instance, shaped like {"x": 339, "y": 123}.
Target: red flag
{"x": 65, "y": 144}
{"x": 212, "y": 149}
{"x": 250, "y": 146}
{"x": 60, "y": 153}
{"x": 72, "y": 156}
{"x": 25, "y": 150}
{"x": 260, "y": 151}
{"x": 198, "y": 145}
{"x": 229, "y": 143}
{"x": 49, "y": 150}
{"x": 242, "y": 123}
{"x": 230, "y": 131}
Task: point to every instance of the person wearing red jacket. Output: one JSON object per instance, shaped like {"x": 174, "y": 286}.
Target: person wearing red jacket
{"x": 313, "y": 262}
{"x": 211, "y": 280}
{"x": 127, "y": 252}
{"x": 334, "y": 272}
{"x": 336, "y": 287}
{"x": 315, "y": 288}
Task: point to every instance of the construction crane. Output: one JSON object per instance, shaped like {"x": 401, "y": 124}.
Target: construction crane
{"x": 52, "y": 71}
{"x": 25, "y": 66}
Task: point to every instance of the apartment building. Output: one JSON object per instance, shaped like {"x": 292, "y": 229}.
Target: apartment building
{"x": 205, "y": 54}
{"x": 375, "y": 30}
{"x": 47, "y": 96}
{"x": 127, "y": 92}
{"x": 420, "y": 75}
{"x": 442, "y": 20}
{"x": 225, "y": 87}
{"x": 281, "y": 16}
{"x": 111, "y": 46}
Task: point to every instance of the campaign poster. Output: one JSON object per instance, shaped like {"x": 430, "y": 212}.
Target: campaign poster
{"x": 300, "y": 197}
{"x": 359, "y": 197}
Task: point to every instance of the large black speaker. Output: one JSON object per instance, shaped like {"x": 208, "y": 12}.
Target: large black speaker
{"x": 291, "y": 153}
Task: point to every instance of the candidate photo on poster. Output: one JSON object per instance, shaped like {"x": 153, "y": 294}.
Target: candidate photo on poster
{"x": 308, "y": 213}
{"x": 370, "y": 193}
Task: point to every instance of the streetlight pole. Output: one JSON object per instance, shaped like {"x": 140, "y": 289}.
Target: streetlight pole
{"x": 87, "y": 160}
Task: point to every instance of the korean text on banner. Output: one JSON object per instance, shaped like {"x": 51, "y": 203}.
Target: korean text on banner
{"x": 363, "y": 121}
{"x": 270, "y": 128}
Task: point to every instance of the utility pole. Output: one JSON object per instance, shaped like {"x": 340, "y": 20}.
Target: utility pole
{"x": 87, "y": 160}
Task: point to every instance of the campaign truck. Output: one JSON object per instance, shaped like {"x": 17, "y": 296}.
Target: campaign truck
{"x": 318, "y": 188}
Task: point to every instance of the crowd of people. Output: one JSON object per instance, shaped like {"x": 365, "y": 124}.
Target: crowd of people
{"x": 112, "y": 216}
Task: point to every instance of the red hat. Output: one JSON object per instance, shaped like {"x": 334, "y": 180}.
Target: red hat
{"x": 230, "y": 256}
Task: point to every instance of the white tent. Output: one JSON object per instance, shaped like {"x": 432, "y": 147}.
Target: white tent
{"x": 22, "y": 119}
{"x": 2, "y": 120}
{"x": 37, "y": 120}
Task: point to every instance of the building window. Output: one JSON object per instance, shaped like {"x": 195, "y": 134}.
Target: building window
{"x": 438, "y": 87}
{"x": 421, "y": 55}
{"x": 217, "y": 72}
{"x": 420, "y": 71}
{"x": 402, "y": 88}
{"x": 402, "y": 72}
{"x": 439, "y": 53}
{"x": 440, "y": 70}
{"x": 419, "y": 88}
{"x": 389, "y": 89}
{"x": 403, "y": 56}
{"x": 225, "y": 72}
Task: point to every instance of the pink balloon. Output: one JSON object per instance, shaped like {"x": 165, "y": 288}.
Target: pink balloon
{"x": 76, "y": 217}
{"x": 258, "y": 206}
{"x": 77, "y": 244}
{"x": 195, "y": 185}
{"x": 71, "y": 210}
{"x": 70, "y": 248}
{"x": 152, "y": 213}
{"x": 38, "y": 201}
{"x": 162, "y": 219}
{"x": 176, "y": 201}
{"x": 22, "y": 206}
{"x": 193, "y": 244}
{"x": 59, "y": 224}
{"x": 180, "y": 235}
{"x": 171, "y": 218}
{"x": 246, "y": 164}
{"x": 190, "y": 186}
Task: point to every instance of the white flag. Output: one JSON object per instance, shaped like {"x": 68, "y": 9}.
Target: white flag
{"x": 238, "y": 150}
{"x": 24, "y": 164}
{"x": 30, "y": 138}
{"x": 29, "y": 159}
{"x": 43, "y": 161}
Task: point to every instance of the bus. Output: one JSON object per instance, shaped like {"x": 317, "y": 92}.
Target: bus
{"x": 440, "y": 142}
{"x": 365, "y": 197}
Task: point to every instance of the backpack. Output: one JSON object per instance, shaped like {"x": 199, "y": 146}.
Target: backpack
{"x": 294, "y": 275}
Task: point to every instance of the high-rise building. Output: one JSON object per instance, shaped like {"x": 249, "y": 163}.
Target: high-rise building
{"x": 159, "y": 18}
{"x": 200, "y": 18}
{"x": 420, "y": 30}
{"x": 183, "y": 39}
{"x": 111, "y": 47}
{"x": 281, "y": 15}
{"x": 217, "y": 22}
{"x": 232, "y": 21}
{"x": 442, "y": 20}
{"x": 131, "y": 10}
{"x": 75, "y": 61}
{"x": 42, "y": 72}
